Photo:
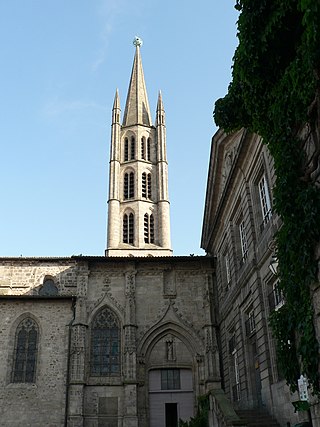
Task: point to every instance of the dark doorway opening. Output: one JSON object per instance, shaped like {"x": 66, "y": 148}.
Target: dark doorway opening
{"x": 171, "y": 415}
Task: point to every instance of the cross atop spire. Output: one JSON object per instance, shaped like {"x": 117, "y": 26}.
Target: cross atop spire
{"x": 137, "y": 111}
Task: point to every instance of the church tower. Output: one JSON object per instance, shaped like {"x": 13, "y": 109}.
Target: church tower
{"x": 138, "y": 204}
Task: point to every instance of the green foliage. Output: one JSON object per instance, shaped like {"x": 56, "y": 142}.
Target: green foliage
{"x": 201, "y": 419}
{"x": 275, "y": 81}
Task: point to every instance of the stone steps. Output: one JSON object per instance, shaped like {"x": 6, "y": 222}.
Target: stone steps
{"x": 257, "y": 418}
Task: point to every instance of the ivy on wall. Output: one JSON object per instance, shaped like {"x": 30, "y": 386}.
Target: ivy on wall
{"x": 201, "y": 419}
{"x": 275, "y": 93}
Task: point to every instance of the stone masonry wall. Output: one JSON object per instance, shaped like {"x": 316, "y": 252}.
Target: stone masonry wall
{"x": 43, "y": 403}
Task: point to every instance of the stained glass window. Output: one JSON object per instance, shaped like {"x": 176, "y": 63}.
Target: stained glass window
{"x": 25, "y": 352}
{"x": 105, "y": 344}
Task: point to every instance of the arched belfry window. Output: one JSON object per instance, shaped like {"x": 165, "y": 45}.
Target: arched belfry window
{"x": 143, "y": 148}
{"x": 148, "y": 228}
{"x": 105, "y": 344}
{"x": 126, "y": 149}
{"x": 149, "y": 149}
{"x": 146, "y": 185}
{"x": 133, "y": 148}
{"x": 149, "y": 186}
{"x": 128, "y": 185}
{"x": 25, "y": 352}
{"x": 128, "y": 228}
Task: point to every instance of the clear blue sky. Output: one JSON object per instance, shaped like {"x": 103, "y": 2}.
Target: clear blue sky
{"x": 60, "y": 64}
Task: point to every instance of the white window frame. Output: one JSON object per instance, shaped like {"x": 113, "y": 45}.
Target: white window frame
{"x": 265, "y": 200}
{"x": 251, "y": 321}
{"x": 236, "y": 372}
{"x": 227, "y": 265}
{"x": 243, "y": 240}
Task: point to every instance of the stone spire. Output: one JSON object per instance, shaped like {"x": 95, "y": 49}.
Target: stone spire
{"x": 137, "y": 111}
{"x": 138, "y": 204}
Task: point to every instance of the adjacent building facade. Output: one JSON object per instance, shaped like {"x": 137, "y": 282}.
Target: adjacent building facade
{"x": 238, "y": 230}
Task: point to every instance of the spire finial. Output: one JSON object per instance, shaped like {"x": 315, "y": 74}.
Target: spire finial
{"x": 137, "y": 41}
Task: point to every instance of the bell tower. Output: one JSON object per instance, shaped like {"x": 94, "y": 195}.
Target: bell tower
{"x": 138, "y": 204}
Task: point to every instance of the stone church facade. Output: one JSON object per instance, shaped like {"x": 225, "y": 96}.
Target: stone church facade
{"x": 123, "y": 340}
{"x": 119, "y": 341}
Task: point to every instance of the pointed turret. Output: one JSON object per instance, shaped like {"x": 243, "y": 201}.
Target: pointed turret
{"x": 137, "y": 111}
{"x": 116, "y": 108}
{"x": 160, "y": 120}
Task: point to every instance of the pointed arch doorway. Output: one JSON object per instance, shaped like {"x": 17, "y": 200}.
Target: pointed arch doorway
{"x": 171, "y": 378}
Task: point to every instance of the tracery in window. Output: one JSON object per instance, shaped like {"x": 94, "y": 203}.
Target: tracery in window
{"x": 105, "y": 344}
{"x": 128, "y": 185}
{"x": 25, "y": 352}
{"x": 128, "y": 228}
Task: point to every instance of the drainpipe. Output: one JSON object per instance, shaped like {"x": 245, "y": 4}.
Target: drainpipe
{"x": 74, "y": 300}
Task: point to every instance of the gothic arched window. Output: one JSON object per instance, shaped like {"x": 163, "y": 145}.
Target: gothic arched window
{"x": 149, "y": 149}
{"x": 126, "y": 150}
{"x": 151, "y": 229}
{"x": 133, "y": 149}
{"x": 128, "y": 185}
{"x": 148, "y": 228}
{"x": 143, "y": 148}
{"x": 25, "y": 352}
{"x": 131, "y": 185}
{"x": 146, "y": 185}
{"x": 149, "y": 186}
{"x": 128, "y": 228}
{"x": 105, "y": 344}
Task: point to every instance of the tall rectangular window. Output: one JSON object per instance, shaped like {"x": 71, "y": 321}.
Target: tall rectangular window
{"x": 227, "y": 265}
{"x": 236, "y": 386}
{"x": 250, "y": 323}
{"x": 264, "y": 200}
{"x": 243, "y": 240}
